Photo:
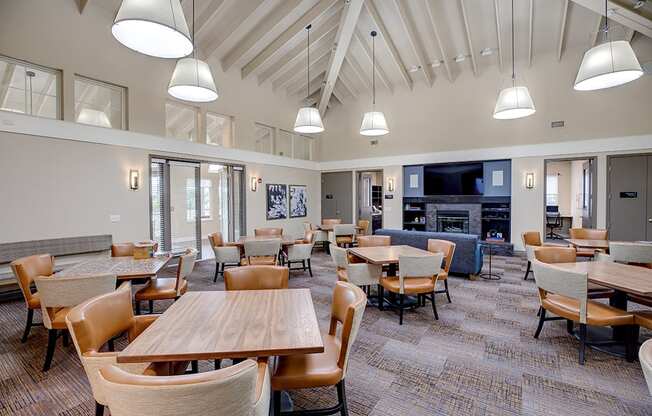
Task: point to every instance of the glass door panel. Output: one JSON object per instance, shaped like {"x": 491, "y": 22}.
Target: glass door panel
{"x": 185, "y": 206}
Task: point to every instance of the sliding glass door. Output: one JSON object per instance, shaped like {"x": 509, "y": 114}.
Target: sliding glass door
{"x": 191, "y": 199}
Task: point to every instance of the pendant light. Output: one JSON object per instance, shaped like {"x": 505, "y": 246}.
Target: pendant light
{"x": 308, "y": 118}
{"x": 373, "y": 122}
{"x": 515, "y": 101}
{"x": 154, "y": 27}
{"x": 607, "y": 65}
{"x": 192, "y": 79}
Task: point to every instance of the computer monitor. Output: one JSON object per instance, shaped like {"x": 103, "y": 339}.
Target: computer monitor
{"x": 553, "y": 209}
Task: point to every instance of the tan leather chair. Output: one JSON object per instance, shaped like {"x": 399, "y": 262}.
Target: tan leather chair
{"x": 565, "y": 294}
{"x": 331, "y": 221}
{"x": 308, "y": 238}
{"x": 225, "y": 255}
{"x": 417, "y": 275}
{"x": 59, "y": 295}
{"x": 238, "y": 390}
{"x": 256, "y": 278}
{"x": 122, "y": 250}
{"x": 447, "y": 248}
{"x": 364, "y": 227}
{"x": 25, "y": 270}
{"x": 531, "y": 240}
{"x": 587, "y": 234}
{"x": 261, "y": 252}
{"x": 94, "y": 323}
{"x": 343, "y": 235}
{"x": 328, "y": 368}
{"x": 374, "y": 240}
{"x": 645, "y": 358}
{"x": 268, "y": 232}
{"x": 552, "y": 255}
{"x": 163, "y": 288}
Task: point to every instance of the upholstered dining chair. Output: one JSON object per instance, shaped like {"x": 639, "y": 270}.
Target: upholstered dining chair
{"x": 225, "y": 255}
{"x": 552, "y": 255}
{"x": 374, "y": 240}
{"x": 59, "y": 295}
{"x": 564, "y": 293}
{"x": 531, "y": 240}
{"x": 331, "y": 221}
{"x": 256, "y": 278}
{"x": 645, "y": 358}
{"x": 364, "y": 227}
{"x": 364, "y": 275}
{"x": 25, "y": 270}
{"x": 239, "y": 390}
{"x": 328, "y": 368}
{"x": 162, "y": 288}
{"x": 447, "y": 248}
{"x": 417, "y": 275}
{"x": 635, "y": 254}
{"x": 343, "y": 235}
{"x": 122, "y": 249}
{"x": 587, "y": 234}
{"x": 95, "y": 323}
{"x": 268, "y": 232}
{"x": 261, "y": 252}
{"x": 300, "y": 253}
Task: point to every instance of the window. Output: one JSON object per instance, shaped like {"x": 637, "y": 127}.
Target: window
{"x": 302, "y": 147}
{"x": 283, "y": 145}
{"x": 263, "y": 136}
{"x": 205, "y": 201}
{"x": 181, "y": 121}
{"x": 29, "y": 89}
{"x": 219, "y": 129}
{"x": 552, "y": 190}
{"x": 100, "y": 104}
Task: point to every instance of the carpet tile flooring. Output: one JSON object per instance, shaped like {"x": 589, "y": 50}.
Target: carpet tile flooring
{"x": 480, "y": 358}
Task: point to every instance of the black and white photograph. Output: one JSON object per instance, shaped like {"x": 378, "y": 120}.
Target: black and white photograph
{"x": 298, "y": 201}
{"x": 277, "y": 201}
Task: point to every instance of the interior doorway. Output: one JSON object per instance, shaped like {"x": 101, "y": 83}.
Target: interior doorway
{"x": 569, "y": 196}
{"x": 629, "y": 205}
{"x": 370, "y": 198}
{"x": 337, "y": 196}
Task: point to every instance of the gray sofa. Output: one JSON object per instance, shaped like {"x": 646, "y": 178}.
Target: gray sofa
{"x": 468, "y": 253}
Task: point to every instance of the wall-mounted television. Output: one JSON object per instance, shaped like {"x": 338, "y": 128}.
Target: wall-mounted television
{"x": 453, "y": 179}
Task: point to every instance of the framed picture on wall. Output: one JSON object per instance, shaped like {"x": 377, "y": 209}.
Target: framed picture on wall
{"x": 277, "y": 201}
{"x": 298, "y": 201}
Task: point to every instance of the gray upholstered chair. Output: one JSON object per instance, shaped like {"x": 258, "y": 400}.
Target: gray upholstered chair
{"x": 261, "y": 252}
{"x": 363, "y": 275}
{"x": 225, "y": 255}
{"x": 343, "y": 235}
{"x": 300, "y": 253}
{"x": 645, "y": 358}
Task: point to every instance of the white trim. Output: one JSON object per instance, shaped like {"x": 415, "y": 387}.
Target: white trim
{"x": 36, "y": 126}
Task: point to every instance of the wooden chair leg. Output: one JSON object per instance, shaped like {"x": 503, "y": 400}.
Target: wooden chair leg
{"x": 151, "y": 306}
{"x": 194, "y": 365}
{"x": 582, "y": 342}
{"x": 309, "y": 268}
{"x": 448, "y": 295}
{"x": 218, "y": 364}
{"x": 569, "y": 326}
{"x": 52, "y": 343}
{"x": 341, "y": 398}
{"x": 542, "y": 319}
{"x": 64, "y": 335}
{"x": 381, "y": 297}
{"x": 630, "y": 343}
{"x": 28, "y": 324}
{"x": 434, "y": 306}
{"x": 401, "y": 297}
{"x": 527, "y": 270}
{"x": 217, "y": 271}
{"x": 99, "y": 409}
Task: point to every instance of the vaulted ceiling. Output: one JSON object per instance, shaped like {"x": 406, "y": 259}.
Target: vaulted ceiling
{"x": 421, "y": 42}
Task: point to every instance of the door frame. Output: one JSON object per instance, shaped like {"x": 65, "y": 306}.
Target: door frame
{"x": 356, "y": 190}
{"x": 608, "y": 198}
{"x": 594, "y": 186}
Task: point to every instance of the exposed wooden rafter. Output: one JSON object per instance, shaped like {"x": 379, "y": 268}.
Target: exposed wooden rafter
{"x": 469, "y": 41}
{"x": 624, "y": 15}
{"x": 348, "y": 21}
{"x": 209, "y": 13}
{"x": 298, "y": 70}
{"x": 530, "y": 38}
{"x": 356, "y": 68}
{"x": 499, "y": 31}
{"x": 413, "y": 40}
{"x": 435, "y": 29}
{"x": 368, "y": 53}
{"x": 562, "y": 29}
{"x": 81, "y": 5}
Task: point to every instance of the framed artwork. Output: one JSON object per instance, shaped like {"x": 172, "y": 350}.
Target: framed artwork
{"x": 298, "y": 201}
{"x": 277, "y": 201}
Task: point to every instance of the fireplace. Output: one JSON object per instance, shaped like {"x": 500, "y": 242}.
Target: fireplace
{"x": 453, "y": 221}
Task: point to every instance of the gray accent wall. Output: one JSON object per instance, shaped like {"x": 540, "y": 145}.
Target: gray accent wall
{"x": 408, "y": 191}
{"x": 503, "y": 189}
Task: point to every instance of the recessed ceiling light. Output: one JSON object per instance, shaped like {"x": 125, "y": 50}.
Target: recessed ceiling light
{"x": 436, "y": 64}
{"x": 459, "y": 58}
{"x": 414, "y": 69}
{"x": 486, "y": 52}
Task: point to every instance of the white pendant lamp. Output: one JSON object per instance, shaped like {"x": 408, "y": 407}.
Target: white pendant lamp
{"x": 192, "y": 79}
{"x": 514, "y": 101}
{"x": 153, "y": 27}
{"x": 607, "y": 65}
{"x": 308, "y": 118}
{"x": 373, "y": 122}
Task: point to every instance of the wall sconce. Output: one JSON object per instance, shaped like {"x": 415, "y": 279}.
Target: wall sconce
{"x": 254, "y": 184}
{"x": 529, "y": 180}
{"x": 134, "y": 179}
{"x": 390, "y": 184}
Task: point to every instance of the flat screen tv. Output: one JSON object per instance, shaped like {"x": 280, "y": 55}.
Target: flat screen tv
{"x": 453, "y": 179}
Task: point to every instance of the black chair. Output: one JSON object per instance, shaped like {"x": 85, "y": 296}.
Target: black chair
{"x": 553, "y": 222}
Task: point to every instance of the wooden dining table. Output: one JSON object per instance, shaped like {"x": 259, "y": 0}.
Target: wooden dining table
{"x": 330, "y": 227}
{"x": 125, "y": 268}
{"x": 285, "y": 240}
{"x": 591, "y": 244}
{"x": 230, "y": 324}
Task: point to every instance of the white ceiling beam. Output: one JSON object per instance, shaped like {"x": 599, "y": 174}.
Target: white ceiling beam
{"x": 368, "y": 53}
{"x": 340, "y": 93}
{"x": 348, "y": 85}
{"x": 435, "y": 29}
{"x": 530, "y": 50}
{"x": 499, "y": 31}
{"x": 273, "y": 17}
{"x": 316, "y": 68}
{"x": 300, "y": 87}
{"x": 316, "y": 83}
{"x": 409, "y": 26}
{"x": 627, "y": 17}
{"x": 384, "y": 33}
{"x": 325, "y": 31}
{"x": 562, "y": 29}
{"x": 298, "y": 70}
{"x": 629, "y": 35}
{"x": 209, "y": 13}
{"x": 467, "y": 29}
{"x": 348, "y": 21}
{"x": 598, "y": 30}
{"x": 296, "y": 28}
{"x": 81, "y": 5}
{"x": 357, "y": 69}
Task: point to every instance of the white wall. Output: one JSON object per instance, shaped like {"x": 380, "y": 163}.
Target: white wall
{"x": 562, "y": 169}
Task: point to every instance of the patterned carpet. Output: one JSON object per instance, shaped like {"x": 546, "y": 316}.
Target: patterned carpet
{"x": 479, "y": 359}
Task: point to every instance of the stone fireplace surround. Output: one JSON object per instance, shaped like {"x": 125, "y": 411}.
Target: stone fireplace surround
{"x": 475, "y": 214}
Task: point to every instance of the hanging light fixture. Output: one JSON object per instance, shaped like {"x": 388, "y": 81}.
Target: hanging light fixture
{"x": 153, "y": 27}
{"x": 192, "y": 79}
{"x": 515, "y": 101}
{"x": 373, "y": 122}
{"x": 607, "y": 65}
{"x": 308, "y": 118}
